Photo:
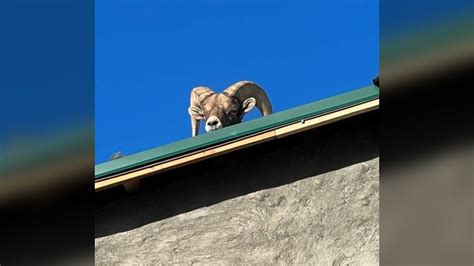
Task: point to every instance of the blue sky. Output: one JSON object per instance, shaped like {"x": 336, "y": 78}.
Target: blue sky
{"x": 150, "y": 54}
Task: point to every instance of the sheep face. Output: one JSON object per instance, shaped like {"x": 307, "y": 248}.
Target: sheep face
{"x": 220, "y": 110}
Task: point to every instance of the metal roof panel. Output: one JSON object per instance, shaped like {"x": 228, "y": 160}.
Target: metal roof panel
{"x": 237, "y": 131}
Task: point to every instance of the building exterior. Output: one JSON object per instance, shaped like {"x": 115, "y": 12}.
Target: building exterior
{"x": 295, "y": 187}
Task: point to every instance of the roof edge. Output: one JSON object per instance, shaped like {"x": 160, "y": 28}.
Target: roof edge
{"x": 227, "y": 134}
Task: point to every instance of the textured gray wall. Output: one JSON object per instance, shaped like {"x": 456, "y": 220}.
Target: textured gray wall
{"x": 309, "y": 198}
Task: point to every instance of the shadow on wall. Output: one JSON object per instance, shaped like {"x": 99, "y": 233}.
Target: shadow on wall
{"x": 266, "y": 165}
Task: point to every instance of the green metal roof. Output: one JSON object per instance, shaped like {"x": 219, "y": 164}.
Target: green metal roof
{"x": 237, "y": 131}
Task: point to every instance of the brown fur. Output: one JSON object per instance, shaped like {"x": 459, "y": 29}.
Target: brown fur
{"x": 226, "y": 108}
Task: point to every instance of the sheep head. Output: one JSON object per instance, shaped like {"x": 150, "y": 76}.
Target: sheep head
{"x": 224, "y": 109}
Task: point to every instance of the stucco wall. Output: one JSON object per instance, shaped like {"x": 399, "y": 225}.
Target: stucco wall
{"x": 310, "y": 198}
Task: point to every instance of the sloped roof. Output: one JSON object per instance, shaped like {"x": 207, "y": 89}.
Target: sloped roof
{"x": 236, "y": 136}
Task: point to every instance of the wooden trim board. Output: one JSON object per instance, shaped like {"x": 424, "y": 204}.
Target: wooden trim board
{"x": 280, "y": 132}
{"x": 326, "y": 119}
{"x": 184, "y": 160}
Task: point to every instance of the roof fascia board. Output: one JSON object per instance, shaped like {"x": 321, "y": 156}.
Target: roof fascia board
{"x": 241, "y": 143}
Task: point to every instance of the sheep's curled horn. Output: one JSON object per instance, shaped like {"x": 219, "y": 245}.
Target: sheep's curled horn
{"x": 208, "y": 105}
{"x": 245, "y": 89}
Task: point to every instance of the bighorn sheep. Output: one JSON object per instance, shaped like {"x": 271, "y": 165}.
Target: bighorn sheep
{"x": 227, "y": 108}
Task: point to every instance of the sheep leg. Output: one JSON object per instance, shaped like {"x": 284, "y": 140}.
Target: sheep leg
{"x": 195, "y": 126}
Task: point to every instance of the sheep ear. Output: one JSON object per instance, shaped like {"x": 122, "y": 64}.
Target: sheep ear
{"x": 249, "y": 104}
{"x": 196, "y": 112}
